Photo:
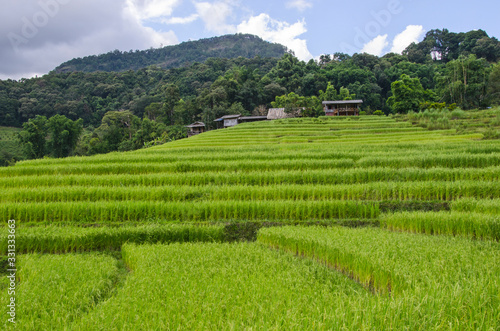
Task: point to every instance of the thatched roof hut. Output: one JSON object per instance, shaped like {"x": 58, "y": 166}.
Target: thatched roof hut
{"x": 196, "y": 128}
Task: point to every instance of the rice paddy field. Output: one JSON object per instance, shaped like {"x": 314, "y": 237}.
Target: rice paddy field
{"x": 357, "y": 223}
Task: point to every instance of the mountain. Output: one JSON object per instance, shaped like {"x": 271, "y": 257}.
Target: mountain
{"x": 229, "y": 46}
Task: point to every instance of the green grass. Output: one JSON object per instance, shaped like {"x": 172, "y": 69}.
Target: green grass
{"x": 229, "y": 286}
{"x": 66, "y": 239}
{"x": 84, "y": 212}
{"x": 418, "y": 190}
{"x": 479, "y": 206}
{"x": 445, "y": 282}
{"x": 55, "y": 290}
{"x": 472, "y": 225}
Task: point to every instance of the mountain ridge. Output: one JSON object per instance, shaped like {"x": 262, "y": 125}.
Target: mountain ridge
{"x": 183, "y": 54}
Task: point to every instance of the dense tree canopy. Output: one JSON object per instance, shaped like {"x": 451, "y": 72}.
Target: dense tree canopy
{"x": 56, "y": 136}
{"x": 407, "y": 95}
{"x": 64, "y": 134}
{"x": 447, "y": 46}
{"x": 454, "y": 68}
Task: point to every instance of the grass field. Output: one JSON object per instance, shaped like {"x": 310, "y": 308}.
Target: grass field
{"x": 396, "y": 226}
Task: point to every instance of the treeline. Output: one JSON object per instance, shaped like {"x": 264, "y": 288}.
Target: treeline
{"x": 153, "y": 104}
{"x": 59, "y": 136}
{"x": 90, "y": 96}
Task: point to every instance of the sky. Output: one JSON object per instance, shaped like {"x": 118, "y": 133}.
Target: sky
{"x": 38, "y": 35}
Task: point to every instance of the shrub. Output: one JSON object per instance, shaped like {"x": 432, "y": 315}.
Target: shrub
{"x": 491, "y": 133}
{"x": 457, "y": 114}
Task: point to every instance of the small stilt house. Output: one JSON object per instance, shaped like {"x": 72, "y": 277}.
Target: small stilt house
{"x": 196, "y": 128}
{"x": 227, "y": 121}
{"x": 233, "y": 120}
{"x": 342, "y": 107}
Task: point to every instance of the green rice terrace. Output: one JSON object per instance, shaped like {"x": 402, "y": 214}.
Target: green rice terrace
{"x": 357, "y": 223}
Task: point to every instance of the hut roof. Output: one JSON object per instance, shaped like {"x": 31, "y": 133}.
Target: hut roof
{"x": 196, "y": 125}
{"x": 341, "y": 102}
{"x": 227, "y": 117}
{"x": 249, "y": 118}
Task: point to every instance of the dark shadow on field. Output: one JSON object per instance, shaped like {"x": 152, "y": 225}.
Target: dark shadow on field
{"x": 247, "y": 230}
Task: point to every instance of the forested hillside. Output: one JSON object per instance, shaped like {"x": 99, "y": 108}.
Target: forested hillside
{"x": 132, "y": 109}
{"x": 229, "y": 46}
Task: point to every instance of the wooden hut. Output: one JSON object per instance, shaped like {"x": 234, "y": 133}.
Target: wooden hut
{"x": 196, "y": 128}
{"x": 227, "y": 121}
{"x": 233, "y": 120}
{"x": 342, "y": 107}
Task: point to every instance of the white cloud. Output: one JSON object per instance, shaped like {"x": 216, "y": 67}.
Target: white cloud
{"x": 411, "y": 34}
{"x": 181, "y": 20}
{"x": 300, "y": 5}
{"x": 159, "y": 11}
{"x": 147, "y": 9}
{"x": 279, "y": 32}
{"x": 71, "y": 29}
{"x": 215, "y": 15}
{"x": 376, "y": 46}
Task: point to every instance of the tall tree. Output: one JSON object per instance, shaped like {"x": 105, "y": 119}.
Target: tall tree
{"x": 172, "y": 97}
{"x": 117, "y": 127}
{"x": 488, "y": 48}
{"x": 8, "y": 112}
{"x": 407, "y": 94}
{"x": 64, "y": 134}
{"x": 33, "y": 137}
{"x": 153, "y": 111}
{"x": 288, "y": 73}
{"x": 330, "y": 94}
{"x": 464, "y": 82}
{"x": 344, "y": 94}
{"x": 494, "y": 85}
